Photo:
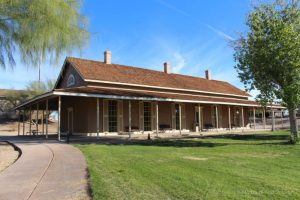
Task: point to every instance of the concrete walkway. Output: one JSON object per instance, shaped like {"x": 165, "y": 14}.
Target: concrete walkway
{"x": 45, "y": 170}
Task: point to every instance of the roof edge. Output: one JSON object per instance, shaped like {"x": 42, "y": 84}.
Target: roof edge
{"x": 151, "y": 86}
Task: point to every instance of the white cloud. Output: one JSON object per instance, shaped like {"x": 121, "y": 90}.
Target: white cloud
{"x": 179, "y": 62}
{"x": 182, "y": 12}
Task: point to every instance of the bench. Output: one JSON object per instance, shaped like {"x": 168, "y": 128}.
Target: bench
{"x": 133, "y": 128}
{"x": 34, "y": 132}
{"x": 208, "y": 126}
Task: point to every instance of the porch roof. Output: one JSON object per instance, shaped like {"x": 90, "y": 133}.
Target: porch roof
{"x": 109, "y": 93}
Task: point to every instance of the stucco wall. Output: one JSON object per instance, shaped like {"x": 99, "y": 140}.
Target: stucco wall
{"x": 85, "y": 114}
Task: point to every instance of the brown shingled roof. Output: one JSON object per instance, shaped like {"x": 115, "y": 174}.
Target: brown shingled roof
{"x": 96, "y": 70}
{"x": 151, "y": 94}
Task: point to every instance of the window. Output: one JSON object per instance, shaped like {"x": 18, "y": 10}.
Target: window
{"x": 177, "y": 116}
{"x": 112, "y": 116}
{"x": 71, "y": 80}
{"x": 147, "y": 116}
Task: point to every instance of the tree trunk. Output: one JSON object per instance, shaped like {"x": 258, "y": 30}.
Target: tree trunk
{"x": 293, "y": 124}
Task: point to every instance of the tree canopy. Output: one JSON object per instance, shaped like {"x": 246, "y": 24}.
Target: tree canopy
{"x": 268, "y": 56}
{"x": 40, "y": 30}
{"x": 33, "y": 88}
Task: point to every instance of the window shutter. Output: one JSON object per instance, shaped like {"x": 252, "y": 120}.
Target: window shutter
{"x": 213, "y": 120}
{"x": 105, "y": 115}
{"x": 183, "y": 118}
{"x": 153, "y": 116}
{"x": 141, "y": 115}
{"x": 120, "y": 116}
{"x": 173, "y": 116}
{"x": 220, "y": 116}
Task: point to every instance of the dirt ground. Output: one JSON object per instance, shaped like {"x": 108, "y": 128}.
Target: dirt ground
{"x": 11, "y": 128}
{"x": 8, "y": 155}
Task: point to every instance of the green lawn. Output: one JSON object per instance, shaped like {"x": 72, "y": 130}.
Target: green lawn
{"x": 261, "y": 166}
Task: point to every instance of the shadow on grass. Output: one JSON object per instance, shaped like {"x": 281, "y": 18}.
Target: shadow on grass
{"x": 254, "y": 137}
{"x": 207, "y": 141}
{"x": 177, "y": 142}
{"x": 157, "y": 142}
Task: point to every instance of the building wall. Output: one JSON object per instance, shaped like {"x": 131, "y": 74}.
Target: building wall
{"x": 134, "y": 114}
{"x": 190, "y": 116}
{"x": 206, "y": 114}
{"x": 85, "y": 114}
{"x": 165, "y": 113}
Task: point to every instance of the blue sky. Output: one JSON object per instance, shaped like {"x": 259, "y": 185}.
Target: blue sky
{"x": 192, "y": 35}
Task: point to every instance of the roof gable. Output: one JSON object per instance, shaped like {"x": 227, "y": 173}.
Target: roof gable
{"x": 115, "y": 73}
{"x": 67, "y": 71}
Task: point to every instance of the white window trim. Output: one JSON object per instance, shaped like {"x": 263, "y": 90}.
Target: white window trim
{"x": 71, "y": 80}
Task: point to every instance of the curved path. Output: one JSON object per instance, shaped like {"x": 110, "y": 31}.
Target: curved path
{"x": 45, "y": 170}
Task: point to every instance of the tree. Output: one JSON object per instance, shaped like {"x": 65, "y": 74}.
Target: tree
{"x": 12, "y": 99}
{"x": 35, "y": 88}
{"x": 268, "y": 56}
{"x": 39, "y": 30}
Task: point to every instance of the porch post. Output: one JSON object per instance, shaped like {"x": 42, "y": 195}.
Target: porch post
{"x": 30, "y": 120}
{"x": 97, "y": 118}
{"x": 281, "y": 118}
{"x": 264, "y": 117}
{"x": 179, "y": 118}
{"x": 273, "y": 120}
{"x": 254, "y": 119}
{"x": 37, "y": 119}
{"x": 156, "y": 107}
{"x": 43, "y": 126}
{"x": 229, "y": 118}
{"x": 59, "y": 113}
{"x": 129, "y": 118}
{"x": 199, "y": 117}
{"x": 19, "y": 123}
{"x": 243, "y": 122}
{"x": 217, "y": 117}
{"x": 24, "y": 121}
{"x": 47, "y": 116}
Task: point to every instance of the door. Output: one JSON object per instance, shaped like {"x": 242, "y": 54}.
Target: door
{"x": 70, "y": 121}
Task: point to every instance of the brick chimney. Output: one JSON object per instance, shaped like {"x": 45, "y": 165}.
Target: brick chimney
{"x": 208, "y": 74}
{"x": 107, "y": 57}
{"x": 167, "y": 68}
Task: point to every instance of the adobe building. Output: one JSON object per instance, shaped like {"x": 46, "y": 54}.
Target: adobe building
{"x": 96, "y": 98}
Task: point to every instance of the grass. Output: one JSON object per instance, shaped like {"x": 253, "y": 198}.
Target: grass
{"x": 261, "y": 166}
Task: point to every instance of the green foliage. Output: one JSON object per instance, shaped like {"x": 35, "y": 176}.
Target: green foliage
{"x": 12, "y": 99}
{"x": 35, "y": 88}
{"x": 294, "y": 139}
{"x": 39, "y": 30}
{"x": 259, "y": 166}
{"x": 268, "y": 57}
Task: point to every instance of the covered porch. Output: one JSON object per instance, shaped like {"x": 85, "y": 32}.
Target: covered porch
{"x": 95, "y": 114}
